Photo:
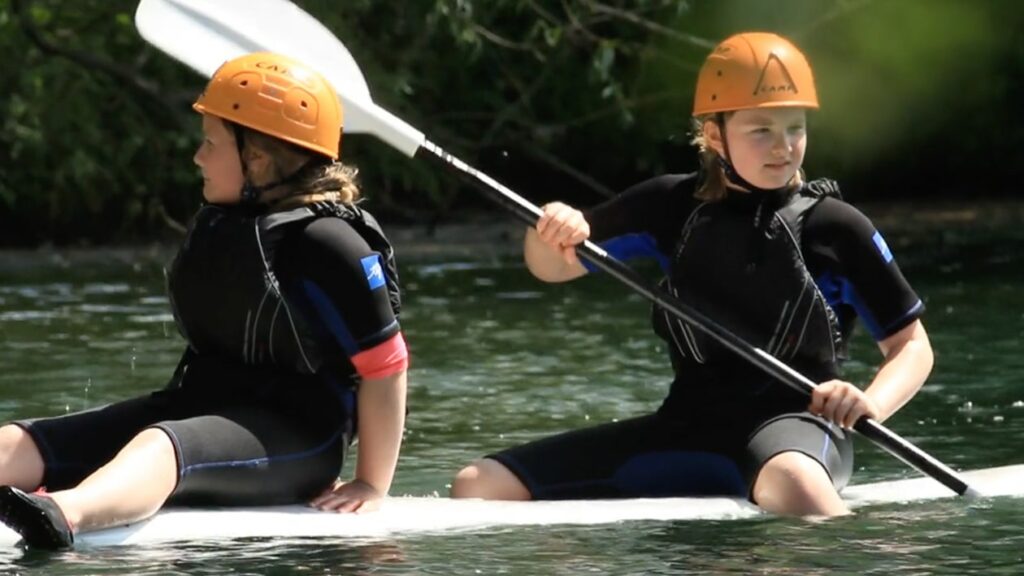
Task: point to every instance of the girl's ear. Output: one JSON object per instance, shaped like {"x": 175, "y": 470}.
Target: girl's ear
{"x": 257, "y": 163}
{"x": 713, "y": 136}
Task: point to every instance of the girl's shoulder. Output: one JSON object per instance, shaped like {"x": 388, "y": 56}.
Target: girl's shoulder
{"x": 834, "y": 222}
{"x": 326, "y": 241}
{"x": 657, "y": 206}
{"x": 837, "y": 214}
{"x": 666, "y": 184}
{"x": 669, "y": 194}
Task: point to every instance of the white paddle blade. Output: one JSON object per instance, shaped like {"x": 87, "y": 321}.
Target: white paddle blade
{"x": 203, "y": 34}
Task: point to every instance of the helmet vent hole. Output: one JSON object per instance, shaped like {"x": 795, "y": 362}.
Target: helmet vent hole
{"x": 246, "y": 82}
{"x": 235, "y": 106}
{"x": 714, "y": 97}
{"x": 719, "y": 73}
{"x": 303, "y": 104}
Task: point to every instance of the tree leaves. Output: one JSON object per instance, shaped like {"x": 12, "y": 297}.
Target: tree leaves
{"x": 566, "y": 99}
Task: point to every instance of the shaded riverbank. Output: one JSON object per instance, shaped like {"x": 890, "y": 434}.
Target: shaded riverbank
{"x": 496, "y": 234}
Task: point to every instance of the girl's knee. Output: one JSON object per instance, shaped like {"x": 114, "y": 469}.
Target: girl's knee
{"x": 490, "y": 480}
{"x": 468, "y": 481}
{"x": 14, "y": 439}
{"x": 154, "y": 441}
{"x": 792, "y": 483}
{"x": 21, "y": 462}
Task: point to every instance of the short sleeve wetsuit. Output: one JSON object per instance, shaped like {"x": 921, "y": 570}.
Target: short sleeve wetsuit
{"x": 248, "y": 426}
{"x": 713, "y": 432}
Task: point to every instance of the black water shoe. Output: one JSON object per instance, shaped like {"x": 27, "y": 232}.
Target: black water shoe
{"x": 36, "y": 518}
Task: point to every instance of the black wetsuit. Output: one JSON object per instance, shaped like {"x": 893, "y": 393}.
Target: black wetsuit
{"x": 261, "y": 408}
{"x": 724, "y": 418}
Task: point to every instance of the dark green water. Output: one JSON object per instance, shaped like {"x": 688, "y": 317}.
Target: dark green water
{"x": 499, "y": 358}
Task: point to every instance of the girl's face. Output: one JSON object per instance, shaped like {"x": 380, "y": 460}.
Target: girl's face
{"x": 217, "y": 158}
{"x": 766, "y": 145}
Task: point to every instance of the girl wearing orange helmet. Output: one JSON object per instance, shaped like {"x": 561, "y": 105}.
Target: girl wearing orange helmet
{"x": 287, "y": 295}
{"x": 781, "y": 262}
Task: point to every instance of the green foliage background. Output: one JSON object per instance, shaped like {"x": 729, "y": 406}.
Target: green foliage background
{"x": 570, "y": 99}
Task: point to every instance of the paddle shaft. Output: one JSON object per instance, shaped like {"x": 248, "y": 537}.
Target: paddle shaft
{"x": 528, "y": 213}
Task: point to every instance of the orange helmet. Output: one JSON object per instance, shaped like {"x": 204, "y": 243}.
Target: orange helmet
{"x": 754, "y": 70}
{"x": 278, "y": 96}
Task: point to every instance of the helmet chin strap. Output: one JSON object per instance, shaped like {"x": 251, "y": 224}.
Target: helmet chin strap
{"x": 730, "y": 171}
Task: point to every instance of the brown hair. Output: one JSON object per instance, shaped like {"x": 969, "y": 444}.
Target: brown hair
{"x": 318, "y": 181}
{"x": 713, "y": 185}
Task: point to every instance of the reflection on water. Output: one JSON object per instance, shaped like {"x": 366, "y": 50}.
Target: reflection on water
{"x": 498, "y": 359}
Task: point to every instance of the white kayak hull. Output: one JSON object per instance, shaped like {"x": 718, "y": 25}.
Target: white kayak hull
{"x": 411, "y": 515}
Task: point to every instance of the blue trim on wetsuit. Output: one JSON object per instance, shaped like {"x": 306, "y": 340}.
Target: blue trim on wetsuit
{"x": 331, "y": 317}
{"x": 631, "y": 246}
{"x": 883, "y": 248}
{"x": 336, "y": 324}
{"x": 677, "y": 472}
{"x": 824, "y": 448}
{"x": 839, "y": 290}
{"x": 254, "y": 462}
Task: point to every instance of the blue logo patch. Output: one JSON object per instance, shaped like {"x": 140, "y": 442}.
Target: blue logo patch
{"x": 374, "y": 271}
{"x": 883, "y": 248}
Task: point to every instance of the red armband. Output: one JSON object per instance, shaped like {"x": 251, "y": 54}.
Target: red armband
{"x": 385, "y": 359}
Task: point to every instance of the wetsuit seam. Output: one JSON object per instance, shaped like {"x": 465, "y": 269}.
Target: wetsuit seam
{"x": 46, "y": 451}
{"x": 281, "y": 302}
{"x": 378, "y": 333}
{"x": 178, "y": 454}
{"x": 902, "y": 321}
{"x": 265, "y": 459}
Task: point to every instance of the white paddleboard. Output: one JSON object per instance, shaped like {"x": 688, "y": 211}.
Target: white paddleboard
{"x": 421, "y": 515}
